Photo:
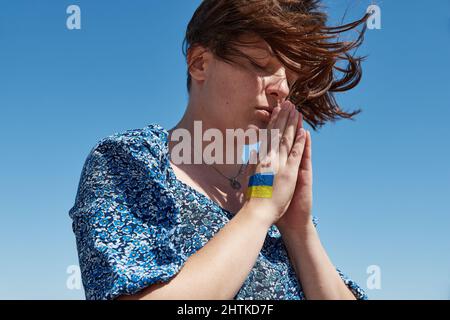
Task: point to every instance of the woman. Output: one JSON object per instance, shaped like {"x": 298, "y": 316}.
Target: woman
{"x": 150, "y": 227}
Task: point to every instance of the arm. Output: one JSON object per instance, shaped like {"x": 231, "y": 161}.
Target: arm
{"x": 218, "y": 270}
{"x": 127, "y": 242}
{"x": 318, "y": 276}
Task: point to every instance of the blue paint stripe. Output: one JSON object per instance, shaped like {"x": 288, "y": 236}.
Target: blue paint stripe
{"x": 265, "y": 179}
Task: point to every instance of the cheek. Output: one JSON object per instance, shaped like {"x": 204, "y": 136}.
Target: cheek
{"x": 238, "y": 81}
{"x": 235, "y": 93}
{"x": 241, "y": 94}
{"x": 244, "y": 87}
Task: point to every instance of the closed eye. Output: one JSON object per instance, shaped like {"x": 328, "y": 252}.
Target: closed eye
{"x": 264, "y": 69}
{"x": 257, "y": 66}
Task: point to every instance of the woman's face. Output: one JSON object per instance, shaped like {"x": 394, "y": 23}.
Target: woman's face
{"x": 243, "y": 96}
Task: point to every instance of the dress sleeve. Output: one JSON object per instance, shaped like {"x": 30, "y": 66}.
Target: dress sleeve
{"x": 125, "y": 222}
{"x": 357, "y": 291}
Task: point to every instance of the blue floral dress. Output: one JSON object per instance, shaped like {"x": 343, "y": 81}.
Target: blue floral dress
{"x": 136, "y": 224}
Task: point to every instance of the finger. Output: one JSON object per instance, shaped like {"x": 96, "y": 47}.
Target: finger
{"x": 273, "y": 117}
{"x": 300, "y": 121}
{"x": 306, "y": 163}
{"x": 271, "y": 125}
{"x": 256, "y": 158}
{"x": 296, "y": 154}
{"x": 270, "y": 146}
{"x": 289, "y": 135}
{"x": 282, "y": 118}
{"x": 279, "y": 127}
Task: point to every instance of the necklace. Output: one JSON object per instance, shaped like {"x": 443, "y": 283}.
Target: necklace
{"x": 233, "y": 182}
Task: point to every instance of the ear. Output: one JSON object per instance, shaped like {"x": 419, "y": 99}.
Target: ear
{"x": 199, "y": 60}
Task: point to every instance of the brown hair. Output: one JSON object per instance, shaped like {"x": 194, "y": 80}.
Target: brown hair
{"x": 297, "y": 35}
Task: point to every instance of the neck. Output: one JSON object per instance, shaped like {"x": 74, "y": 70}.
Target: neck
{"x": 196, "y": 125}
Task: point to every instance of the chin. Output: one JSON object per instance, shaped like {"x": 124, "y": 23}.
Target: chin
{"x": 257, "y": 124}
{"x": 254, "y": 126}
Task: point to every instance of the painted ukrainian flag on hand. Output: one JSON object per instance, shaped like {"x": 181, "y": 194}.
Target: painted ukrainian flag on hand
{"x": 260, "y": 185}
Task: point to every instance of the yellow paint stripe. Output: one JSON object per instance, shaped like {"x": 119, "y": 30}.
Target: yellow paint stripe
{"x": 259, "y": 192}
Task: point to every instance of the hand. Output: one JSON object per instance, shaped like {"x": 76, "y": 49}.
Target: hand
{"x": 298, "y": 216}
{"x": 283, "y": 158}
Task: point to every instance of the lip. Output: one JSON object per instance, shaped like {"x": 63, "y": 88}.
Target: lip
{"x": 264, "y": 113}
{"x": 268, "y": 109}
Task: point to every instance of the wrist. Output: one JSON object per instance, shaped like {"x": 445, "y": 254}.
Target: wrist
{"x": 260, "y": 214}
{"x": 298, "y": 220}
{"x": 298, "y": 233}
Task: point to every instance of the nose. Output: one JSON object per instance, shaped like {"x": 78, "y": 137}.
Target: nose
{"x": 277, "y": 88}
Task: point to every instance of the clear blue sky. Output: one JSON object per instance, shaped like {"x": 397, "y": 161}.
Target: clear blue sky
{"x": 381, "y": 183}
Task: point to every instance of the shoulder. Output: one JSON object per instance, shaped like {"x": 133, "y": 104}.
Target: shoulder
{"x": 147, "y": 145}
{"x": 124, "y": 165}
{"x": 152, "y": 137}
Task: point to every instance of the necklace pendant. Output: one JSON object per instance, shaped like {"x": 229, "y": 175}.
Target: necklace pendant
{"x": 235, "y": 184}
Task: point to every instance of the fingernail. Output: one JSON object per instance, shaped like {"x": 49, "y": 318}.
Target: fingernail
{"x": 302, "y": 132}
